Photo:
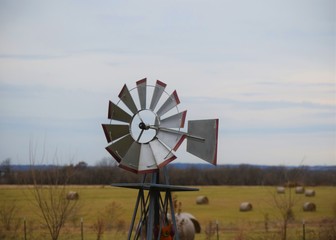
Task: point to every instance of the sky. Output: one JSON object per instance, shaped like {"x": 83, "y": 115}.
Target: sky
{"x": 264, "y": 68}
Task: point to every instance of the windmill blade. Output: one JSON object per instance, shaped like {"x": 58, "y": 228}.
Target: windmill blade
{"x": 174, "y": 121}
{"x": 130, "y": 161}
{"x": 125, "y": 97}
{"x": 172, "y": 139}
{"x": 119, "y": 148}
{"x": 116, "y": 113}
{"x": 141, "y": 85}
{"x": 115, "y": 131}
{"x": 161, "y": 153}
{"x": 171, "y": 102}
{"x": 139, "y": 159}
{"x": 208, "y": 130}
{"x": 147, "y": 161}
{"x": 158, "y": 90}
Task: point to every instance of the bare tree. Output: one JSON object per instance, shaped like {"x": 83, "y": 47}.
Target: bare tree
{"x": 285, "y": 202}
{"x": 99, "y": 227}
{"x": 109, "y": 219}
{"x": 5, "y": 166}
{"x": 49, "y": 193}
{"x": 9, "y": 223}
{"x": 5, "y": 171}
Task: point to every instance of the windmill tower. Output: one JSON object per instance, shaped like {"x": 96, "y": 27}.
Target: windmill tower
{"x": 143, "y": 137}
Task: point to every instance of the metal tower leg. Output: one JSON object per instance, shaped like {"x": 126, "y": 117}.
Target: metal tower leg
{"x": 172, "y": 212}
{"x": 140, "y": 196}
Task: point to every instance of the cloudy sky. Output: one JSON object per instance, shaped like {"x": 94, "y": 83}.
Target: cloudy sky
{"x": 265, "y": 68}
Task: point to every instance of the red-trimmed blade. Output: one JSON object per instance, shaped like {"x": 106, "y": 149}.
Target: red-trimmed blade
{"x": 119, "y": 148}
{"x": 163, "y": 155}
{"x": 130, "y": 161}
{"x": 159, "y": 88}
{"x": 142, "y": 87}
{"x": 115, "y": 131}
{"x": 174, "y": 121}
{"x": 116, "y": 113}
{"x": 172, "y": 139}
{"x": 171, "y": 102}
{"x": 146, "y": 161}
{"x": 125, "y": 97}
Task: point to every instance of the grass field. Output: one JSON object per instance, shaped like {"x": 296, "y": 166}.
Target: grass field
{"x": 223, "y": 208}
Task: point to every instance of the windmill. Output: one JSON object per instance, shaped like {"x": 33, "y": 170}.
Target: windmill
{"x": 143, "y": 137}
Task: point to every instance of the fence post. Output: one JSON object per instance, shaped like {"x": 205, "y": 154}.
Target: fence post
{"x": 82, "y": 230}
{"x": 24, "y": 229}
{"x": 303, "y": 230}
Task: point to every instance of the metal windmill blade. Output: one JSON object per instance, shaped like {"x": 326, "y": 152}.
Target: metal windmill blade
{"x": 159, "y": 89}
{"x": 170, "y": 103}
{"x": 147, "y": 140}
{"x": 142, "y": 92}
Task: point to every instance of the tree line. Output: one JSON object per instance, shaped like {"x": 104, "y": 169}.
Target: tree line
{"x": 107, "y": 172}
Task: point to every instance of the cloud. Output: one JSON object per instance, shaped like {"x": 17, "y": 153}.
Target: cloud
{"x": 30, "y": 56}
{"x": 261, "y": 67}
{"x": 258, "y": 105}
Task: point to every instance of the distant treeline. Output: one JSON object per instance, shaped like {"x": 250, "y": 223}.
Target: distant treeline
{"x": 190, "y": 174}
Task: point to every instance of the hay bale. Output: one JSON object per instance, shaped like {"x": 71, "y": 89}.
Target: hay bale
{"x": 202, "y": 200}
{"x": 197, "y": 225}
{"x": 245, "y": 207}
{"x": 280, "y": 189}
{"x": 72, "y": 196}
{"x": 187, "y": 225}
{"x": 310, "y": 193}
{"x": 309, "y": 207}
{"x": 299, "y": 190}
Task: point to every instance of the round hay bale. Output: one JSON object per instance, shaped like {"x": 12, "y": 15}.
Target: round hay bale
{"x": 202, "y": 200}
{"x": 309, "y": 207}
{"x": 72, "y": 196}
{"x": 280, "y": 189}
{"x": 245, "y": 207}
{"x": 299, "y": 190}
{"x": 310, "y": 193}
{"x": 194, "y": 221}
{"x": 187, "y": 225}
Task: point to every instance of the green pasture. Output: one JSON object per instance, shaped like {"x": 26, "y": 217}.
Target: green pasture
{"x": 223, "y": 207}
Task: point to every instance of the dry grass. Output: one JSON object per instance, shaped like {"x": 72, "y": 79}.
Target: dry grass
{"x": 223, "y": 207}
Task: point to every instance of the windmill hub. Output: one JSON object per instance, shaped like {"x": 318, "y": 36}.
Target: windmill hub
{"x": 140, "y": 126}
{"x": 143, "y": 126}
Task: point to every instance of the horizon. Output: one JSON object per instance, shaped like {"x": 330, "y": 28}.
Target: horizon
{"x": 204, "y": 165}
